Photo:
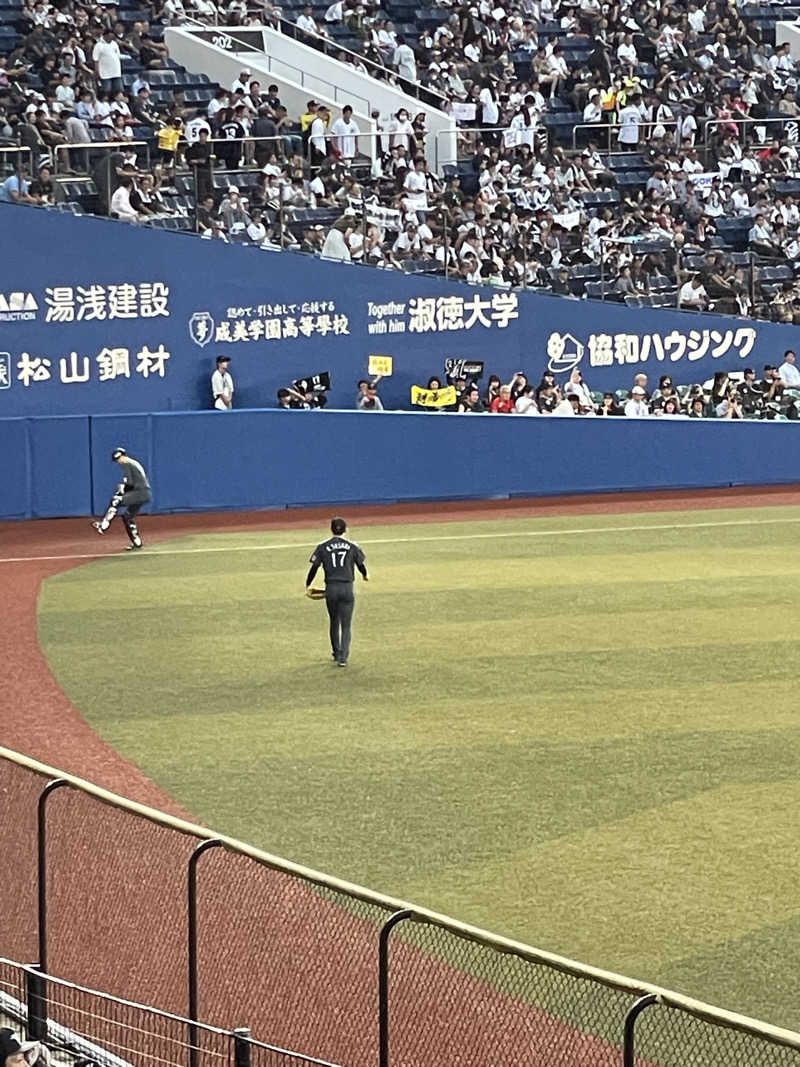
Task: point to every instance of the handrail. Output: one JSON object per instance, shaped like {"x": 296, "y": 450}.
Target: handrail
{"x": 615, "y": 127}
{"x": 423, "y": 92}
{"x": 166, "y": 1015}
{"x": 331, "y": 49}
{"x": 707, "y": 1012}
{"x": 745, "y": 122}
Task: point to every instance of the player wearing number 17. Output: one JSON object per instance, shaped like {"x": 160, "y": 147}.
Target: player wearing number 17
{"x": 339, "y": 559}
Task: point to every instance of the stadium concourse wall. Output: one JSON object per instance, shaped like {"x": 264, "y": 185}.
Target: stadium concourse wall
{"x": 277, "y": 459}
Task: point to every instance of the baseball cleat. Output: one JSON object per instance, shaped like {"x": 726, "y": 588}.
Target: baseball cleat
{"x": 99, "y": 527}
{"x": 341, "y": 663}
{"x": 134, "y": 548}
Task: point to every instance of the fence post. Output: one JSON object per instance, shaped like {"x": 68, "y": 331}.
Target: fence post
{"x": 191, "y": 948}
{"x": 241, "y": 1046}
{"x": 628, "y": 1043}
{"x": 383, "y": 984}
{"x": 36, "y": 1000}
{"x": 41, "y": 850}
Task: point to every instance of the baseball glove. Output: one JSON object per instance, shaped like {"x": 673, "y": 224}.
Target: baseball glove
{"x": 315, "y": 594}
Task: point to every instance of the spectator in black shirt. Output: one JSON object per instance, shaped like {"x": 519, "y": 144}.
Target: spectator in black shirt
{"x": 198, "y": 157}
{"x": 609, "y": 405}
{"x": 751, "y": 397}
{"x": 560, "y": 284}
{"x": 265, "y": 126}
{"x": 42, "y": 188}
{"x": 471, "y": 403}
{"x": 205, "y": 214}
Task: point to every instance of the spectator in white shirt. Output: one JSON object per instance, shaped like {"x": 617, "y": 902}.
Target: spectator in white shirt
{"x": 576, "y": 386}
{"x": 740, "y": 202}
{"x": 629, "y": 119}
{"x": 626, "y": 53}
{"x": 693, "y": 294}
{"x": 405, "y": 61}
{"x": 416, "y": 186}
{"x": 788, "y": 371}
{"x": 305, "y": 20}
{"x": 108, "y": 62}
{"x": 121, "y": 201}
{"x": 593, "y": 112}
{"x": 636, "y": 407}
{"x": 345, "y": 133}
{"x": 762, "y": 239}
{"x": 316, "y": 139}
{"x": 242, "y": 82}
{"x": 256, "y": 230}
{"x": 65, "y": 93}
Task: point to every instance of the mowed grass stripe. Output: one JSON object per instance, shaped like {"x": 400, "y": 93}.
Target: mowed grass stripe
{"x": 511, "y": 703}
{"x": 663, "y": 885}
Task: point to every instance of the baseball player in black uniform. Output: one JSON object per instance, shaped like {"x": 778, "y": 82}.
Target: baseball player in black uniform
{"x": 338, "y": 557}
{"x": 130, "y": 496}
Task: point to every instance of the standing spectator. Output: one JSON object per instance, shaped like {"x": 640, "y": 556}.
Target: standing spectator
{"x": 629, "y": 119}
{"x": 198, "y": 157}
{"x": 345, "y": 139}
{"x": 316, "y": 138}
{"x": 405, "y": 61}
{"x": 222, "y": 385}
{"x": 108, "y": 62}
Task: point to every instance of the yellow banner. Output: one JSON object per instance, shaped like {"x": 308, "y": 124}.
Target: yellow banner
{"x": 433, "y": 398}
{"x": 380, "y": 365}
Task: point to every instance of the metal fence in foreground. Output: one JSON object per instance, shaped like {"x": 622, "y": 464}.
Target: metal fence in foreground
{"x": 108, "y": 893}
{"x": 83, "y": 1026}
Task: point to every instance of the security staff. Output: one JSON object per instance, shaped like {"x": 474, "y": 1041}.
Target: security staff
{"x": 130, "y": 496}
{"x": 222, "y": 384}
{"x": 338, "y": 557}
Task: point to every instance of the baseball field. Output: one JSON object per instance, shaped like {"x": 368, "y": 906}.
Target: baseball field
{"x": 578, "y": 730}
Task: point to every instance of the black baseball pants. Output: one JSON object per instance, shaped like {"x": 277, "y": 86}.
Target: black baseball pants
{"x": 340, "y": 602}
{"x": 133, "y": 500}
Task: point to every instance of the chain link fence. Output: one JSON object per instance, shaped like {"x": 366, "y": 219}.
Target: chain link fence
{"x": 156, "y": 910}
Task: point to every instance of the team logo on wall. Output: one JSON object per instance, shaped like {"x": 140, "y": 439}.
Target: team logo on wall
{"x": 201, "y": 328}
{"x": 18, "y": 307}
{"x": 563, "y": 352}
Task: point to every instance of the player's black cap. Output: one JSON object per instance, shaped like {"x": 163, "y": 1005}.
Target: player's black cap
{"x": 117, "y": 452}
{"x": 338, "y": 525}
{"x": 223, "y": 359}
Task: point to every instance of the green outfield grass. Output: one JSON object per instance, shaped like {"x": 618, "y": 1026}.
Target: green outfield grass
{"x": 582, "y": 732}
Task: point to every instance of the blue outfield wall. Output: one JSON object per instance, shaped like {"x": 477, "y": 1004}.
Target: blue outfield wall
{"x": 103, "y": 317}
{"x": 275, "y": 459}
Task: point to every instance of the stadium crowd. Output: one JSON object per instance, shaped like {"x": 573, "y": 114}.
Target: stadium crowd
{"x": 689, "y": 207}
{"x": 736, "y": 395}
